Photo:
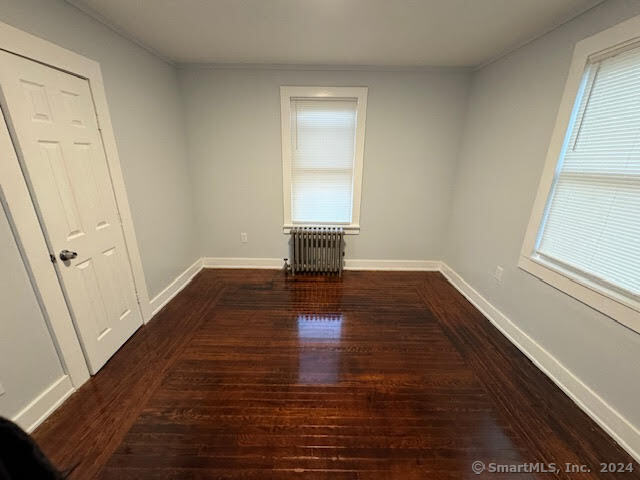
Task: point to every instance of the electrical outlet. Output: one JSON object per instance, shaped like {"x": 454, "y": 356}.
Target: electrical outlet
{"x": 243, "y": 237}
{"x": 2, "y": 390}
{"x": 498, "y": 274}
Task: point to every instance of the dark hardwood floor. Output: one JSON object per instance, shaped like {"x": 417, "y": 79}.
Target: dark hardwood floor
{"x": 248, "y": 375}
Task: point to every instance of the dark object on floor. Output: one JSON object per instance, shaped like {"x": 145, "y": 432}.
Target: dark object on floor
{"x": 20, "y": 456}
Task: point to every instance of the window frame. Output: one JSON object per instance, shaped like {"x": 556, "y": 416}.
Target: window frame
{"x": 359, "y": 94}
{"x": 623, "y": 308}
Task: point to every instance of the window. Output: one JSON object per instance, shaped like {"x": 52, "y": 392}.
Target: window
{"x": 592, "y": 223}
{"x": 322, "y": 150}
{"x": 585, "y": 236}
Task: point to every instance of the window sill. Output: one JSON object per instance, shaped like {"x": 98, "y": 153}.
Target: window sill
{"x": 623, "y": 309}
{"x": 348, "y": 229}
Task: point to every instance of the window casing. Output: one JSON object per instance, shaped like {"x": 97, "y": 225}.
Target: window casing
{"x": 322, "y": 155}
{"x": 584, "y": 233}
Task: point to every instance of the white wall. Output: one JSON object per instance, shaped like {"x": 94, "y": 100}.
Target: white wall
{"x": 146, "y": 111}
{"x": 412, "y": 138}
{"x": 512, "y": 109}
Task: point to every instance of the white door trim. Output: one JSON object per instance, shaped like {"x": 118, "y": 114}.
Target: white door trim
{"x": 24, "y": 44}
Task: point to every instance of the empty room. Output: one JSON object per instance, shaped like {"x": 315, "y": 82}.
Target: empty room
{"x": 319, "y": 239}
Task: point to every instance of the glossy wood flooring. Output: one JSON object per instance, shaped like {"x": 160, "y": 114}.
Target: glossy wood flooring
{"x": 248, "y": 375}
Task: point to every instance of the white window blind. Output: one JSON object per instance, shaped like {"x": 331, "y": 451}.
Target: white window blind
{"x": 323, "y": 147}
{"x": 592, "y": 222}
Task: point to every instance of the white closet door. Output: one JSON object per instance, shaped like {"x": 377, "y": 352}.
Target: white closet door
{"x": 53, "y": 120}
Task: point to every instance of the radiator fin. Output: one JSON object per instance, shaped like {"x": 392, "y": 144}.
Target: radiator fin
{"x": 317, "y": 249}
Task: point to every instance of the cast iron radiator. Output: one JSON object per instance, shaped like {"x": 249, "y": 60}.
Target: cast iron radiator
{"x": 316, "y": 249}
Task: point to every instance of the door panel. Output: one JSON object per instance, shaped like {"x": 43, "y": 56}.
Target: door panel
{"x": 53, "y": 121}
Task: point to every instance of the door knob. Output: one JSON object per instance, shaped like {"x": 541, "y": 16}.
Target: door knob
{"x": 66, "y": 255}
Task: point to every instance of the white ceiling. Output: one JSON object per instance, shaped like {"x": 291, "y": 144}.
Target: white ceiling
{"x": 333, "y": 32}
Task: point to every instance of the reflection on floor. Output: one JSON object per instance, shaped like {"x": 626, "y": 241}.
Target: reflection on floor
{"x": 378, "y": 375}
{"x": 317, "y": 363}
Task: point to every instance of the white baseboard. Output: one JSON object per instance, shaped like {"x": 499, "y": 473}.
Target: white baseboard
{"x": 44, "y": 404}
{"x": 243, "y": 262}
{"x": 175, "y": 287}
{"x": 611, "y": 421}
{"x": 389, "y": 265}
{"x": 349, "y": 264}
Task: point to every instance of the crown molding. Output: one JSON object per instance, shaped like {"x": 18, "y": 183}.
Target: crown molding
{"x": 78, "y": 4}
{"x": 562, "y": 21}
{"x": 322, "y": 67}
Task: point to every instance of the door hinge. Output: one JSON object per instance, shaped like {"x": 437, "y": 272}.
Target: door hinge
{"x": 52, "y": 257}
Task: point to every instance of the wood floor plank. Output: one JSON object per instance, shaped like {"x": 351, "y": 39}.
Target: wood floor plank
{"x": 248, "y": 374}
